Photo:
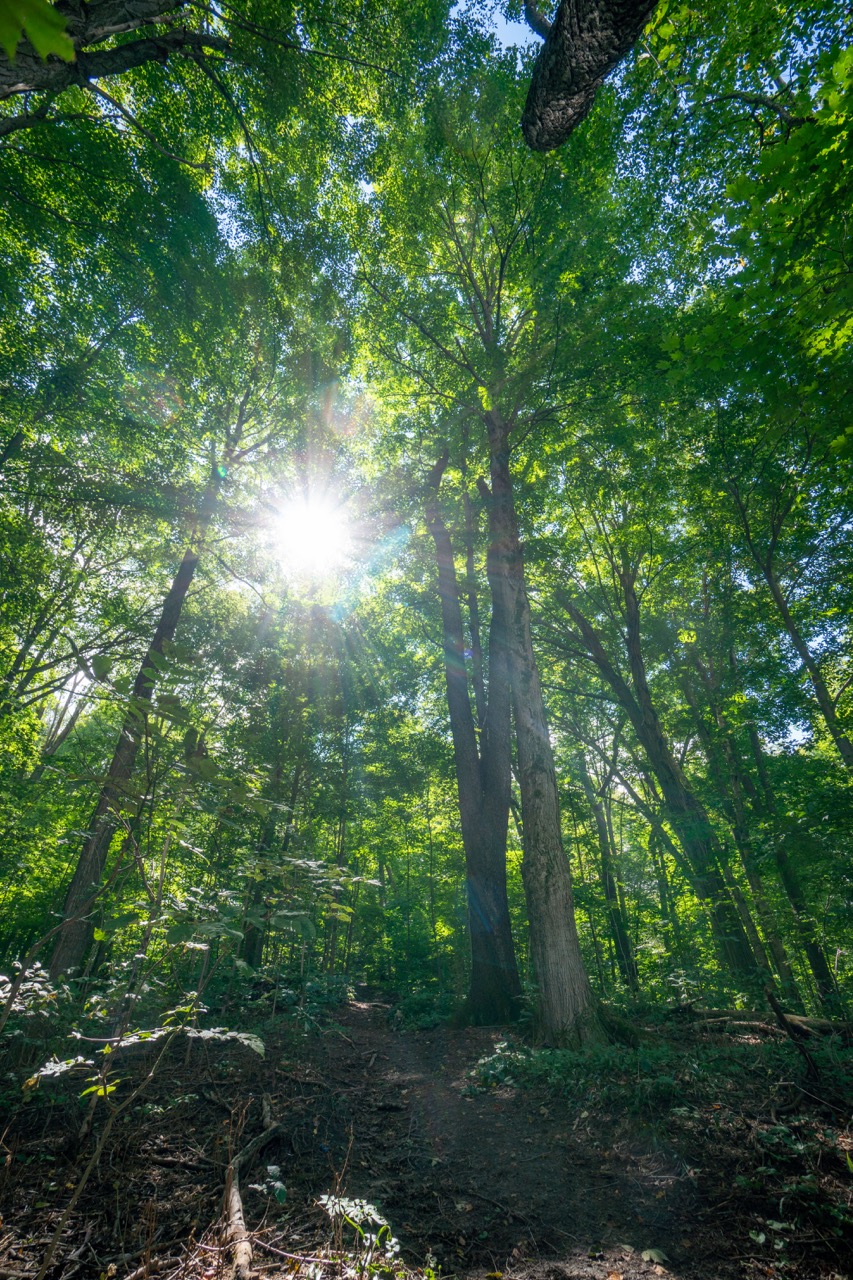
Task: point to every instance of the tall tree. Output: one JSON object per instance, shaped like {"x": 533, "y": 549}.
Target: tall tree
{"x": 453, "y": 317}
{"x": 482, "y": 751}
{"x": 237, "y": 403}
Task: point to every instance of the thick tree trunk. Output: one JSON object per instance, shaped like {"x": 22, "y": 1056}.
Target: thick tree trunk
{"x": 75, "y": 938}
{"x": 567, "y": 1008}
{"x": 620, "y": 933}
{"x": 586, "y": 40}
{"x": 483, "y": 781}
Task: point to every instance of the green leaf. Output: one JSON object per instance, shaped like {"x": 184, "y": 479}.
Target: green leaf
{"x": 654, "y": 1255}
{"x": 122, "y": 921}
{"x": 180, "y": 932}
{"x": 202, "y": 767}
{"x": 101, "y": 664}
{"x": 101, "y": 1090}
{"x": 43, "y": 25}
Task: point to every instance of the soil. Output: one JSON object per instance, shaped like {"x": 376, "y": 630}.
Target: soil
{"x": 474, "y": 1181}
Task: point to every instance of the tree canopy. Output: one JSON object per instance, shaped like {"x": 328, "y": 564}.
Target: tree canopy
{"x": 424, "y": 558}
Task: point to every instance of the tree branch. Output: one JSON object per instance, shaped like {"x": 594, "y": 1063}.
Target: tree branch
{"x": 586, "y": 40}
{"x": 536, "y": 20}
{"x": 29, "y": 74}
{"x": 205, "y": 167}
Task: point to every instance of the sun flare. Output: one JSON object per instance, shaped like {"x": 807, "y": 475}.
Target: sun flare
{"x": 312, "y": 537}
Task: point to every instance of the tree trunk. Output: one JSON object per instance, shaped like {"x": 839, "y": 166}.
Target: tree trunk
{"x": 823, "y": 976}
{"x": 568, "y": 1011}
{"x": 254, "y": 936}
{"x": 684, "y": 810}
{"x": 728, "y": 775}
{"x": 822, "y": 694}
{"x": 75, "y": 938}
{"x": 618, "y": 924}
{"x": 586, "y": 40}
{"x": 483, "y": 782}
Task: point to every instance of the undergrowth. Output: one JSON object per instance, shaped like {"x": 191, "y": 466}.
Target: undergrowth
{"x": 780, "y": 1137}
{"x": 650, "y": 1076}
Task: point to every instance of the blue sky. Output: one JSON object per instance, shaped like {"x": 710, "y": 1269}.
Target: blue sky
{"x": 509, "y": 33}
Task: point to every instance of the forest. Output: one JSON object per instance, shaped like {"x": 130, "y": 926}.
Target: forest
{"x": 426, "y": 639}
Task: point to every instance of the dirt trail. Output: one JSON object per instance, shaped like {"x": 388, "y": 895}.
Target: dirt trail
{"x": 489, "y": 1181}
{"x": 486, "y": 1181}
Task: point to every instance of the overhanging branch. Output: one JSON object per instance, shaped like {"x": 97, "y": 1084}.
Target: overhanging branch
{"x": 586, "y": 40}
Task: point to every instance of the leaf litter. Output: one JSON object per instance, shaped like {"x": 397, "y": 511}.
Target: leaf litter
{"x": 473, "y": 1180}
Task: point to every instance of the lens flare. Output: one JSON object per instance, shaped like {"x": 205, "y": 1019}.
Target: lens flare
{"x": 311, "y": 537}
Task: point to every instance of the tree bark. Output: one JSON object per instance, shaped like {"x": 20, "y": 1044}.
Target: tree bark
{"x": 823, "y": 976}
{"x": 254, "y": 934}
{"x": 625, "y": 957}
{"x": 75, "y": 937}
{"x": 585, "y": 42}
{"x": 822, "y": 694}
{"x": 684, "y": 810}
{"x": 728, "y": 775}
{"x": 89, "y": 26}
{"x": 483, "y": 781}
{"x": 568, "y": 1011}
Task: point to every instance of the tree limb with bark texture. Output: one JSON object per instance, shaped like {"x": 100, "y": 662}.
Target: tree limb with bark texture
{"x": 584, "y": 43}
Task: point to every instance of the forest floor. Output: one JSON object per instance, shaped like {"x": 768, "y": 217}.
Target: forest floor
{"x": 477, "y": 1176}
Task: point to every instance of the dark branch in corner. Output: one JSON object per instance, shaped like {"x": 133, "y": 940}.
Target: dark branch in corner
{"x": 585, "y": 42}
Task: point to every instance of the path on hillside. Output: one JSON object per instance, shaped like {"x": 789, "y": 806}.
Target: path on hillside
{"x": 488, "y": 1181}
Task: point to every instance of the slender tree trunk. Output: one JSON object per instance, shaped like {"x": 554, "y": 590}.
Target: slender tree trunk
{"x": 823, "y": 975}
{"x": 822, "y": 694}
{"x": 75, "y": 938}
{"x": 618, "y": 923}
{"x": 483, "y": 781}
{"x": 568, "y": 1011}
{"x": 684, "y": 810}
{"x": 254, "y": 934}
{"x": 749, "y": 927}
{"x": 669, "y": 914}
{"x": 728, "y": 775}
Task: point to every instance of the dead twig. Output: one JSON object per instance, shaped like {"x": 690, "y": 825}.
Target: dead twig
{"x": 152, "y": 1267}
{"x": 238, "y": 1237}
{"x": 299, "y": 1257}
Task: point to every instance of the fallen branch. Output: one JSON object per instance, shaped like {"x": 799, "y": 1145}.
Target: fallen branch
{"x": 795, "y": 1032}
{"x": 152, "y": 1267}
{"x": 237, "y": 1235}
{"x": 794, "y": 1022}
